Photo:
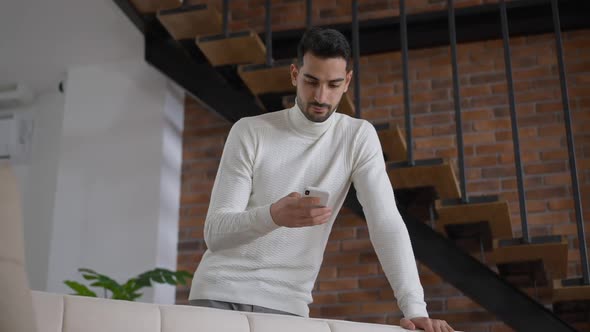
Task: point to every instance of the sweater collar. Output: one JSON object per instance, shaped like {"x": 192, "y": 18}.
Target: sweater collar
{"x": 306, "y": 127}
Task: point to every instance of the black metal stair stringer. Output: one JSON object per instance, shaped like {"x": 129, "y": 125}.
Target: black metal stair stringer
{"x": 193, "y": 73}
{"x": 474, "y": 279}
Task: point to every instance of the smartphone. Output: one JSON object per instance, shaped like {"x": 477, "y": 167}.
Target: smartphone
{"x": 323, "y": 195}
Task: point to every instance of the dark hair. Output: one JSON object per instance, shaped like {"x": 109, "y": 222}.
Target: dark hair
{"x": 324, "y": 43}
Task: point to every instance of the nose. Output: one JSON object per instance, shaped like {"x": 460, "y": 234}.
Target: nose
{"x": 320, "y": 94}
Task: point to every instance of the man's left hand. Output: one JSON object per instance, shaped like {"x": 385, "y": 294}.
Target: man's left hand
{"x": 426, "y": 324}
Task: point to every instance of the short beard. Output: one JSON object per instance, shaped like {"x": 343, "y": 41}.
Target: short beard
{"x": 305, "y": 110}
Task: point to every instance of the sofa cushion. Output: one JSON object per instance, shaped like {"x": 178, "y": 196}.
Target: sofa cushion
{"x": 16, "y": 308}
{"x": 87, "y": 314}
{"x": 16, "y": 311}
{"x": 343, "y": 326}
{"x": 177, "y": 318}
{"x": 49, "y": 310}
{"x": 272, "y": 323}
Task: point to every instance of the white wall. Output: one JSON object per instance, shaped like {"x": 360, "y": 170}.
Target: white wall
{"x": 170, "y": 186}
{"x": 104, "y": 192}
{"x": 35, "y": 166}
{"x": 110, "y": 180}
{"x": 37, "y": 176}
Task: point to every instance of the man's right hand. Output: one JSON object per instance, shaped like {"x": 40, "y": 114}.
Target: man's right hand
{"x": 294, "y": 211}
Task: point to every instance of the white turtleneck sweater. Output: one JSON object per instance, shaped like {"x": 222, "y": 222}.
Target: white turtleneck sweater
{"x": 251, "y": 260}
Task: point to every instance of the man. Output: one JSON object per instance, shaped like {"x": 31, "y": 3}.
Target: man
{"x": 265, "y": 242}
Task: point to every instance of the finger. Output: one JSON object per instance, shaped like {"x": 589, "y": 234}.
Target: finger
{"x": 309, "y": 221}
{"x": 314, "y": 212}
{"x": 449, "y": 328}
{"x": 309, "y": 201}
{"x": 407, "y": 324}
{"x": 322, "y": 219}
{"x": 438, "y": 327}
{"x": 428, "y": 326}
{"x": 294, "y": 195}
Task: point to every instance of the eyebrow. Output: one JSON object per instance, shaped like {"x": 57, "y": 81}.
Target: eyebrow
{"x": 316, "y": 79}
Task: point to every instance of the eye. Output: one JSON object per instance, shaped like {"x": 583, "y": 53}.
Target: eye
{"x": 334, "y": 86}
{"x": 312, "y": 83}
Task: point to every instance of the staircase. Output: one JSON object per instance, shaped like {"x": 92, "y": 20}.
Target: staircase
{"x": 469, "y": 241}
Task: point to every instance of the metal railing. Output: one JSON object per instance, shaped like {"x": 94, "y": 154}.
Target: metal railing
{"x": 356, "y": 58}
{"x": 268, "y": 32}
{"x": 405, "y": 67}
{"x": 308, "y": 14}
{"x": 514, "y": 122}
{"x": 570, "y": 145}
{"x": 457, "y": 102}
{"x": 226, "y": 18}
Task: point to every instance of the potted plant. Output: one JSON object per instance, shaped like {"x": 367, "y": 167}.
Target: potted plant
{"x": 130, "y": 290}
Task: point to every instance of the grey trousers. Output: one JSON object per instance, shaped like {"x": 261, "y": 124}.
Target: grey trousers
{"x": 236, "y": 307}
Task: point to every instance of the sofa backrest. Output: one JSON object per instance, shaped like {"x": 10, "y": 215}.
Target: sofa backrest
{"x": 57, "y": 313}
{"x": 16, "y": 314}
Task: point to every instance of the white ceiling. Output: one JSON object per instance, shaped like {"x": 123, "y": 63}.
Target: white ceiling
{"x": 40, "y": 39}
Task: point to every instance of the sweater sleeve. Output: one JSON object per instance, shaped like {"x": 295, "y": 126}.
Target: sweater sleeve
{"x": 387, "y": 230}
{"x": 228, "y": 224}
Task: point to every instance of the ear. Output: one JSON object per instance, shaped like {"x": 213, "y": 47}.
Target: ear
{"x": 347, "y": 80}
{"x": 294, "y": 73}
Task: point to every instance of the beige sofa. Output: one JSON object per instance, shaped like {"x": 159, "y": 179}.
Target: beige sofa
{"x": 21, "y": 309}
{"x": 56, "y": 313}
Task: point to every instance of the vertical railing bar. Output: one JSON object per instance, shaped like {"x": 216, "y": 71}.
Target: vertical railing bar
{"x": 406, "y": 79}
{"x": 356, "y": 59}
{"x": 226, "y": 18}
{"x": 514, "y": 121}
{"x": 308, "y": 14}
{"x": 268, "y": 31}
{"x": 457, "y": 102}
{"x": 570, "y": 144}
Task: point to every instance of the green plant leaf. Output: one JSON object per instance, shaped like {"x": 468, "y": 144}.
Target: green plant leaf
{"x": 107, "y": 283}
{"x": 181, "y": 276}
{"x": 89, "y": 271}
{"x": 131, "y": 285}
{"x": 80, "y": 289}
{"x": 170, "y": 280}
{"x": 144, "y": 282}
{"x": 134, "y": 296}
{"x": 157, "y": 278}
{"x": 128, "y": 290}
{"x": 89, "y": 277}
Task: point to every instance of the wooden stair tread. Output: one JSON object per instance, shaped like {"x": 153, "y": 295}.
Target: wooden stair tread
{"x": 553, "y": 255}
{"x": 570, "y": 293}
{"x": 235, "y": 49}
{"x": 263, "y": 79}
{"x": 393, "y": 144}
{"x": 581, "y": 326}
{"x": 441, "y": 177}
{"x": 497, "y": 214}
{"x": 152, "y": 6}
{"x": 191, "y": 22}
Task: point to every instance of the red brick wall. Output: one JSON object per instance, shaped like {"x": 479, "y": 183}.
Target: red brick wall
{"x": 351, "y": 284}
{"x": 488, "y": 138}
